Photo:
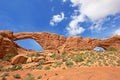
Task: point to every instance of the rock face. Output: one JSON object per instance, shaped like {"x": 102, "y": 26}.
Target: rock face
{"x": 46, "y": 40}
{"x": 19, "y": 59}
{"x": 52, "y": 42}
{"x": 7, "y": 44}
{"x": 73, "y": 43}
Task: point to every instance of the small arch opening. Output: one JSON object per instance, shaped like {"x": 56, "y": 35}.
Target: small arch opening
{"x": 30, "y": 44}
{"x": 99, "y": 49}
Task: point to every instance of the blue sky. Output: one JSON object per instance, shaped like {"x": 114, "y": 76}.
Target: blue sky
{"x": 86, "y": 18}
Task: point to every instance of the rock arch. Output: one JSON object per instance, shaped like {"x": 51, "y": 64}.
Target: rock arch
{"x": 46, "y": 40}
{"x": 53, "y": 42}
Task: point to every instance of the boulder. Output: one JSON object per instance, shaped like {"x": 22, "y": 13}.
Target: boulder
{"x": 29, "y": 60}
{"x": 19, "y": 59}
{"x": 36, "y": 59}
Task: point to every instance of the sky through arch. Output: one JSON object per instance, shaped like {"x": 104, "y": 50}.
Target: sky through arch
{"x": 30, "y": 44}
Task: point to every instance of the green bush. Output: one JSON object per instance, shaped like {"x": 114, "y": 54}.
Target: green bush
{"x": 58, "y": 64}
{"x": 16, "y": 67}
{"x": 39, "y": 77}
{"x": 69, "y": 63}
{"x": 39, "y": 67}
{"x": 47, "y": 68}
{"x": 78, "y": 58}
{"x": 41, "y": 62}
{"x": 64, "y": 57}
{"x": 4, "y": 76}
{"x": 111, "y": 49}
{"x": 56, "y": 56}
{"x": 17, "y": 76}
{"x": 37, "y": 55}
{"x": 1, "y": 68}
{"x": 32, "y": 55}
{"x": 8, "y": 56}
{"x": 118, "y": 63}
{"x": 30, "y": 77}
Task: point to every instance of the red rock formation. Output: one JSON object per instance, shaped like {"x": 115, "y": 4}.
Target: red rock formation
{"x": 52, "y": 42}
{"x": 7, "y": 44}
{"x": 73, "y": 43}
{"x": 21, "y": 58}
{"x": 46, "y": 40}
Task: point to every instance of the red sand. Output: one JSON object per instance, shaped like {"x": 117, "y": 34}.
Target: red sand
{"x": 83, "y": 73}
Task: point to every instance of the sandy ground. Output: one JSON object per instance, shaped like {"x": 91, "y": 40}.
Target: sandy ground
{"x": 83, "y": 73}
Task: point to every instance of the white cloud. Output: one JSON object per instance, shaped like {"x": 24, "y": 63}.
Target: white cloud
{"x": 57, "y": 18}
{"x": 64, "y": 0}
{"x": 74, "y": 28}
{"x": 97, "y": 26}
{"x": 95, "y": 10}
{"x": 117, "y": 32}
{"x": 98, "y": 9}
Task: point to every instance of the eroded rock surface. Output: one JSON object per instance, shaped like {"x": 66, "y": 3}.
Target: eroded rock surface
{"x": 7, "y": 44}
{"x": 52, "y": 42}
{"x": 19, "y": 59}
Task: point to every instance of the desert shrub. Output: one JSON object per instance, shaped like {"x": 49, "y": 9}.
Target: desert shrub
{"x": 58, "y": 64}
{"x": 16, "y": 67}
{"x": 8, "y": 56}
{"x": 47, "y": 68}
{"x": 82, "y": 49}
{"x": 53, "y": 56}
{"x": 78, "y": 58}
{"x": 4, "y": 76}
{"x": 56, "y": 56}
{"x": 1, "y": 68}
{"x": 41, "y": 62}
{"x": 111, "y": 49}
{"x": 101, "y": 57}
{"x": 69, "y": 63}
{"x": 17, "y": 76}
{"x": 64, "y": 57}
{"x": 37, "y": 54}
{"x": 118, "y": 63}
{"x": 32, "y": 55}
{"x": 39, "y": 67}
{"x": 71, "y": 56}
{"x": 30, "y": 77}
{"x": 39, "y": 77}
{"x": 105, "y": 63}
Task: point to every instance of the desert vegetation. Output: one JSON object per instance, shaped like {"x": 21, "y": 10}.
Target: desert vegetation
{"x": 53, "y": 61}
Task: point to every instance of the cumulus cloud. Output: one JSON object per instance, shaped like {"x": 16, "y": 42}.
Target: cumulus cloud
{"x": 74, "y": 28}
{"x": 117, "y": 32}
{"x": 94, "y": 10}
{"x": 57, "y": 18}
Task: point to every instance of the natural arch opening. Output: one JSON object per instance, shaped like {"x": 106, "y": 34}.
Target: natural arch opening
{"x": 99, "y": 48}
{"x": 30, "y": 44}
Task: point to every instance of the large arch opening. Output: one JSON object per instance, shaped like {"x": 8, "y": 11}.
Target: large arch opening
{"x": 30, "y": 44}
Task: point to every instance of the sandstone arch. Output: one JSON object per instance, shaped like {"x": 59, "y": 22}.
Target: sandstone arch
{"x": 53, "y": 42}
{"x": 46, "y": 40}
